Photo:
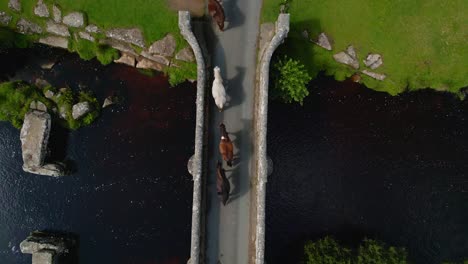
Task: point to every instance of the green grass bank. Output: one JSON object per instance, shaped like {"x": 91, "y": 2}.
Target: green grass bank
{"x": 423, "y": 43}
{"x": 154, "y": 18}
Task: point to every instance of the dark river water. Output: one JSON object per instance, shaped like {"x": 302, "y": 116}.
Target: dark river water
{"x": 129, "y": 200}
{"x": 355, "y": 163}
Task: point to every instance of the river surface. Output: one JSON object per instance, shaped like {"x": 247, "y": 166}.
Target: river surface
{"x": 129, "y": 200}
{"x": 356, "y": 163}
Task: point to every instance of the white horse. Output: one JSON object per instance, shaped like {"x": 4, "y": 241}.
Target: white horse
{"x": 218, "y": 91}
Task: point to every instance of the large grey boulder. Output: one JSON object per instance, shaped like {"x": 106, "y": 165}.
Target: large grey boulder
{"x": 373, "y": 61}
{"x": 80, "y": 109}
{"x": 126, "y": 59}
{"x": 149, "y": 64}
{"x": 4, "y": 19}
{"x": 74, "y": 19}
{"x": 323, "y": 41}
{"x": 59, "y": 42}
{"x": 26, "y": 27}
{"x": 46, "y": 247}
{"x": 185, "y": 54}
{"x": 157, "y": 58}
{"x": 57, "y": 14}
{"x": 128, "y": 35}
{"x": 34, "y": 138}
{"x": 15, "y": 5}
{"x": 377, "y": 76}
{"x": 164, "y": 47}
{"x": 41, "y": 9}
{"x": 57, "y": 29}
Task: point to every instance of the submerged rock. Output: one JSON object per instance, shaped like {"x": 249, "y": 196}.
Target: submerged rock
{"x": 41, "y": 9}
{"x": 59, "y": 42}
{"x": 185, "y": 54}
{"x": 57, "y": 29}
{"x": 15, "y": 5}
{"x": 41, "y": 83}
{"x": 74, "y": 19}
{"x": 80, "y": 109}
{"x": 26, "y": 27}
{"x": 373, "y": 61}
{"x": 164, "y": 47}
{"x": 128, "y": 35}
{"x": 4, "y": 19}
{"x": 110, "y": 100}
{"x": 323, "y": 41}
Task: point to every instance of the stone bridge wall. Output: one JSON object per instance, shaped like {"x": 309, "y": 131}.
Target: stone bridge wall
{"x": 196, "y": 166}
{"x": 260, "y": 148}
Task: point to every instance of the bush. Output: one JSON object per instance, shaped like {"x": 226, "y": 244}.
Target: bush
{"x": 15, "y": 98}
{"x": 289, "y": 80}
{"x": 327, "y": 250}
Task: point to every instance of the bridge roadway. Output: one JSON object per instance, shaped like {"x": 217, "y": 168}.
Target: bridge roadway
{"x": 228, "y": 237}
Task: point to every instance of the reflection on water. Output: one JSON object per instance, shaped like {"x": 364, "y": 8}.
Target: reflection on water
{"x": 353, "y": 163}
{"x": 130, "y": 199}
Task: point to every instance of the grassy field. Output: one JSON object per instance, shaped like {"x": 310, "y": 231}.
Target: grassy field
{"x": 424, "y": 43}
{"x": 154, "y": 18}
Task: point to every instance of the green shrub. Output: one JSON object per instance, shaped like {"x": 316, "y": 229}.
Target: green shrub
{"x": 328, "y": 251}
{"x": 289, "y": 80}
{"x": 15, "y": 99}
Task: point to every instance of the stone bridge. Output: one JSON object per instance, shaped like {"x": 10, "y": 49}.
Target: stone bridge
{"x": 233, "y": 233}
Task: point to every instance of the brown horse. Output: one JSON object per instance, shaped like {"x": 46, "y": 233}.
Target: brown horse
{"x": 225, "y": 146}
{"x": 223, "y": 186}
{"x": 217, "y": 13}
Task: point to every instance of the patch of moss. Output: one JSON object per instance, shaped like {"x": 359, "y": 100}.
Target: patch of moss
{"x": 89, "y": 50}
{"x": 185, "y": 71}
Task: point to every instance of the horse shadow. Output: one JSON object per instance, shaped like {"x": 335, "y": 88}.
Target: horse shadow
{"x": 234, "y": 88}
{"x": 234, "y": 16}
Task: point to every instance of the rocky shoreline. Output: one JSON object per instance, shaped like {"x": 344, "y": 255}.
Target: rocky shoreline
{"x": 56, "y": 29}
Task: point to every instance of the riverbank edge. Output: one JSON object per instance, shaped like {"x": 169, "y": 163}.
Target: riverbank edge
{"x": 120, "y": 45}
{"x": 341, "y": 72}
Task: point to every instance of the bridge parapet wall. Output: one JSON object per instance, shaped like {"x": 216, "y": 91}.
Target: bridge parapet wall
{"x": 185, "y": 27}
{"x": 261, "y": 112}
